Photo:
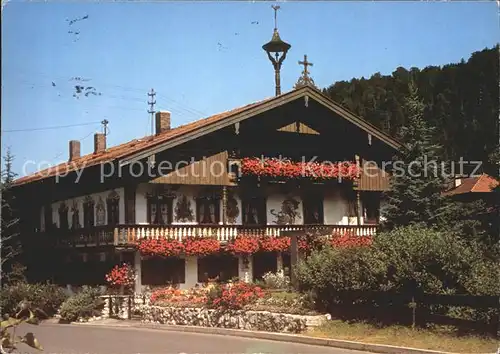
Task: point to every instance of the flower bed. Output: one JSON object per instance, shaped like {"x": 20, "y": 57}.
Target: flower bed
{"x": 236, "y": 296}
{"x": 179, "y": 298}
{"x": 273, "y": 167}
{"x": 233, "y": 305}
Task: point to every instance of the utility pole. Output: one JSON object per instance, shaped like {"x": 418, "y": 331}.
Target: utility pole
{"x": 151, "y": 110}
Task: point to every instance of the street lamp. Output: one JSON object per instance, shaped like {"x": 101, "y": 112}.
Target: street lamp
{"x": 276, "y": 50}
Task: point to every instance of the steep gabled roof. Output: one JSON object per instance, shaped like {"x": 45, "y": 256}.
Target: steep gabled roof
{"x": 140, "y": 148}
{"x": 481, "y": 184}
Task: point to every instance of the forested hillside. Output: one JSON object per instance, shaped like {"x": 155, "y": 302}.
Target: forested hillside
{"x": 461, "y": 102}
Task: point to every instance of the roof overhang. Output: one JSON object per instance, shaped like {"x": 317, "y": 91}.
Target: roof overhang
{"x": 304, "y": 92}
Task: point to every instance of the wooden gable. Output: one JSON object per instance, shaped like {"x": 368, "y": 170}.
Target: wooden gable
{"x": 298, "y": 127}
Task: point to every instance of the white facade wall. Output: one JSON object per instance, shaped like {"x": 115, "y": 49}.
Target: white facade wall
{"x": 78, "y": 201}
{"x": 335, "y": 205}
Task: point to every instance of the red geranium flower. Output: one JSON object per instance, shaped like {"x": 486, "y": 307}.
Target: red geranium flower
{"x": 160, "y": 247}
{"x": 273, "y": 167}
{"x": 200, "y": 246}
{"x": 350, "y": 240}
{"x": 243, "y": 245}
{"x": 123, "y": 275}
{"x": 274, "y": 244}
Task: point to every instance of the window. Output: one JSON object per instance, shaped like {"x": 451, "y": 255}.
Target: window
{"x": 208, "y": 210}
{"x": 159, "y": 209}
{"x": 163, "y": 271}
{"x": 313, "y": 210}
{"x": 63, "y": 217}
{"x": 113, "y": 203}
{"x": 75, "y": 216}
{"x": 371, "y": 207}
{"x": 351, "y": 204}
{"x": 220, "y": 267}
{"x": 88, "y": 212}
{"x": 254, "y": 211}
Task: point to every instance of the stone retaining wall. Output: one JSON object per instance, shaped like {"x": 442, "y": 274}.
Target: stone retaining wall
{"x": 123, "y": 307}
{"x": 248, "y": 320}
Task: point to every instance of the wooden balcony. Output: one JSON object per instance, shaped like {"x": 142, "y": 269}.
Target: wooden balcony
{"x": 126, "y": 235}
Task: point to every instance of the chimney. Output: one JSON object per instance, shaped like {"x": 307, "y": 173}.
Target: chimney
{"x": 458, "y": 182}
{"x": 74, "y": 150}
{"x": 162, "y": 122}
{"x": 99, "y": 143}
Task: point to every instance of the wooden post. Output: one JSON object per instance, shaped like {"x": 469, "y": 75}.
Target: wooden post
{"x": 356, "y": 186}
{"x": 358, "y": 207}
{"x": 224, "y": 205}
{"x": 129, "y": 307}
{"x": 294, "y": 254}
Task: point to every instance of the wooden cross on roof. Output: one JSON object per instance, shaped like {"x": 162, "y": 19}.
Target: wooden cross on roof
{"x": 306, "y": 64}
{"x": 305, "y": 79}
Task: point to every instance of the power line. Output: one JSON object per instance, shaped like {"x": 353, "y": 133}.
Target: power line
{"x": 181, "y": 110}
{"x": 82, "y": 139}
{"x": 184, "y": 107}
{"x": 48, "y": 128}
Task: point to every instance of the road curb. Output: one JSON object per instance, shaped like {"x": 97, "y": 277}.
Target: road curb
{"x": 280, "y": 337}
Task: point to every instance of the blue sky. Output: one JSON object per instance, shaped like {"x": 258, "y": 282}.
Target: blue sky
{"x": 201, "y": 58}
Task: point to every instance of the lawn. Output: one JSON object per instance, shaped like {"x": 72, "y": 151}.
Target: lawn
{"x": 442, "y": 339}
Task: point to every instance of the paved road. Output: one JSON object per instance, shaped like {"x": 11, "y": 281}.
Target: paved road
{"x": 74, "y": 339}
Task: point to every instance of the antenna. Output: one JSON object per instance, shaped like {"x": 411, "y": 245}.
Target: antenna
{"x": 151, "y": 110}
{"x": 105, "y": 127}
{"x": 276, "y": 8}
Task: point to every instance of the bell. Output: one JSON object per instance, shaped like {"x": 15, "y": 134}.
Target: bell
{"x": 276, "y": 45}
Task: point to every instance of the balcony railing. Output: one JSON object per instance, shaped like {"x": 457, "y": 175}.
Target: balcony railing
{"x": 123, "y": 235}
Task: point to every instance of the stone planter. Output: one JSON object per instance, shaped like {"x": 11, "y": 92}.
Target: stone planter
{"x": 236, "y": 319}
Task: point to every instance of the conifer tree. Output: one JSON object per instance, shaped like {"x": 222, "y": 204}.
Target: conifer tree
{"x": 418, "y": 174}
{"x": 10, "y": 246}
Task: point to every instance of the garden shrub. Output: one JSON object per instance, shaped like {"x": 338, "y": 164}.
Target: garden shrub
{"x": 276, "y": 280}
{"x": 407, "y": 260}
{"x": 335, "y": 269}
{"x": 284, "y": 302}
{"x": 426, "y": 260}
{"x": 47, "y": 297}
{"x": 214, "y": 293}
{"x": 82, "y": 305}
